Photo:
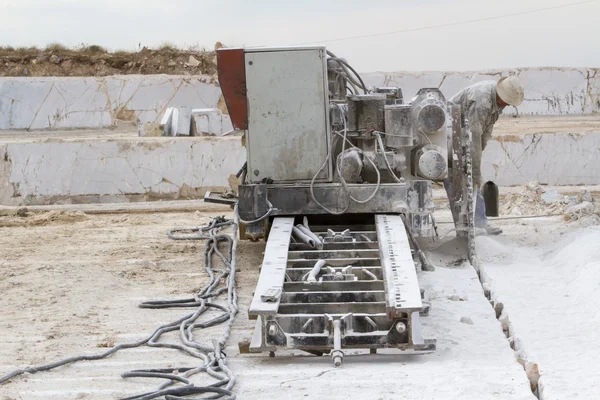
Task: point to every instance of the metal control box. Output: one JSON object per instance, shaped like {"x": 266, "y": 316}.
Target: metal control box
{"x": 288, "y": 134}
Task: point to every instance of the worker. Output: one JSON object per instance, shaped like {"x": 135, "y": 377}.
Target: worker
{"x": 481, "y": 104}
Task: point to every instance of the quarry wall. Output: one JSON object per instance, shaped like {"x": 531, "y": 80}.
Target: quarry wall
{"x": 141, "y": 169}
{"x": 548, "y": 91}
{"x": 96, "y": 102}
{"x": 99, "y": 102}
{"x": 47, "y": 170}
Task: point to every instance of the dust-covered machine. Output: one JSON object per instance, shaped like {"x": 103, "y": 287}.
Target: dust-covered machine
{"x": 338, "y": 179}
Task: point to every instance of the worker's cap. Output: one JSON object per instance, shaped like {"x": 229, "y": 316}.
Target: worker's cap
{"x": 510, "y": 90}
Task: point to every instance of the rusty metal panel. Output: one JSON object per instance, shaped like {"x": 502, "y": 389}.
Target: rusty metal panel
{"x": 232, "y": 78}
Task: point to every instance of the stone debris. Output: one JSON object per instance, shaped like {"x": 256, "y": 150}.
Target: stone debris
{"x": 55, "y": 59}
{"x": 466, "y": 320}
{"x": 535, "y": 199}
{"x": 585, "y": 195}
{"x": 577, "y": 211}
{"x": 192, "y": 62}
{"x": 550, "y": 196}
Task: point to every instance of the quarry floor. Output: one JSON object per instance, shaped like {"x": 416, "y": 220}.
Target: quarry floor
{"x": 71, "y": 281}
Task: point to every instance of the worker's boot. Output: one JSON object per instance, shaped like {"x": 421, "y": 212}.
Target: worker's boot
{"x": 487, "y": 231}
{"x": 493, "y": 230}
{"x": 481, "y": 224}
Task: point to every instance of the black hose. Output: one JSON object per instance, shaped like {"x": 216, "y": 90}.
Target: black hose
{"x": 213, "y": 362}
{"x": 344, "y": 63}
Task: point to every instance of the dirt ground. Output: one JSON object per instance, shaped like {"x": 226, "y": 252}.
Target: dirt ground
{"x": 71, "y": 282}
{"x": 57, "y": 60}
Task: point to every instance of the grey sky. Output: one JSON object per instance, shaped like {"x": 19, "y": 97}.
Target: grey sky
{"x": 562, "y": 37}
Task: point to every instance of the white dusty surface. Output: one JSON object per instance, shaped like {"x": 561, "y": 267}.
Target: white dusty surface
{"x": 471, "y": 361}
{"x": 548, "y": 282}
{"x": 71, "y": 283}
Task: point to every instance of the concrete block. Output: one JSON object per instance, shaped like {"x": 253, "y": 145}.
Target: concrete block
{"x": 207, "y": 122}
{"x": 96, "y": 102}
{"x": 20, "y": 99}
{"x": 44, "y": 172}
{"x": 509, "y": 161}
{"x": 172, "y": 131}
{"x": 183, "y": 121}
{"x": 165, "y": 121}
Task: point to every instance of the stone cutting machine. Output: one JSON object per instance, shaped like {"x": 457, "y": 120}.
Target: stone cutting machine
{"x": 338, "y": 179}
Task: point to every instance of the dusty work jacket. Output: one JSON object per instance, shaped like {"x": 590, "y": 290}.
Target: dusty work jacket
{"x": 478, "y": 104}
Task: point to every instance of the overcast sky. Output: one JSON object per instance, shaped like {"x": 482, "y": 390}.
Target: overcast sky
{"x": 562, "y": 37}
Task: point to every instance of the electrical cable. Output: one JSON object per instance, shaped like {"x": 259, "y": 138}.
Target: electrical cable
{"x": 352, "y": 82}
{"x": 345, "y": 65}
{"x": 312, "y": 185}
{"x": 387, "y": 164}
{"x": 345, "y": 72}
{"x": 371, "y": 162}
{"x": 338, "y": 166}
{"x": 213, "y": 359}
{"x": 259, "y": 219}
{"x": 512, "y": 217}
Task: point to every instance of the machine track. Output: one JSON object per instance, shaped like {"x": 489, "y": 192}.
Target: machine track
{"x": 338, "y": 287}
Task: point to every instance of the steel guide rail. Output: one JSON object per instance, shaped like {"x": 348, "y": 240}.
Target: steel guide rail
{"x": 356, "y": 289}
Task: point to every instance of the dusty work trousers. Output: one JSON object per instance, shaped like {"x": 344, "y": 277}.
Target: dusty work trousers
{"x": 480, "y": 217}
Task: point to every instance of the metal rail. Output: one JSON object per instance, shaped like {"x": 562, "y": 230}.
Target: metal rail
{"x": 356, "y": 288}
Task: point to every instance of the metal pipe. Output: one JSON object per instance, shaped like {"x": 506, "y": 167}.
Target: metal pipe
{"x": 365, "y": 238}
{"x": 304, "y": 238}
{"x": 369, "y": 273}
{"x": 306, "y": 325}
{"x": 372, "y": 323}
{"x": 312, "y": 275}
{"x": 310, "y": 234}
{"x": 305, "y": 222}
{"x": 337, "y": 355}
